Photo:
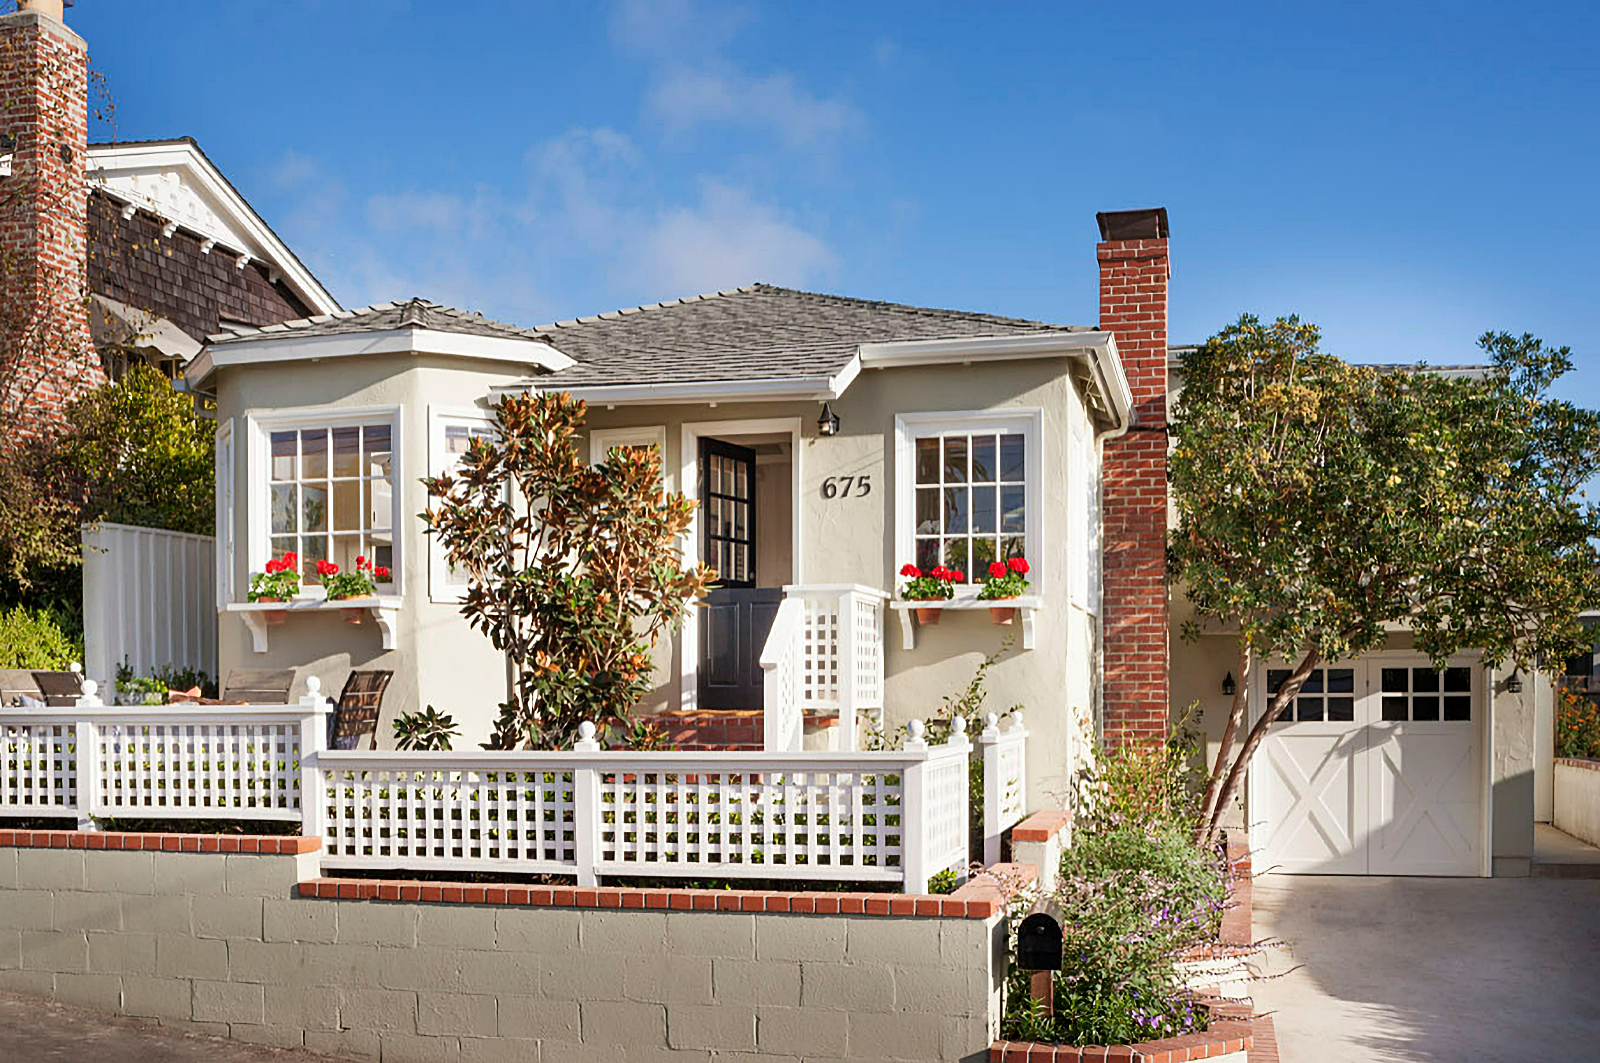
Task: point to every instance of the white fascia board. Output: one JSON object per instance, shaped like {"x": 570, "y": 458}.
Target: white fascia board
{"x": 817, "y": 389}
{"x": 1098, "y": 347}
{"x": 108, "y": 162}
{"x": 286, "y": 346}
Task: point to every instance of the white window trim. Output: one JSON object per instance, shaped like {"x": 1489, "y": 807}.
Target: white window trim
{"x": 603, "y": 440}
{"x": 1028, "y": 421}
{"x": 439, "y": 588}
{"x": 225, "y": 532}
{"x": 259, "y": 429}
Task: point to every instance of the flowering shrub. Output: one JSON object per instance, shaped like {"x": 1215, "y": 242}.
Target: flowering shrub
{"x": 280, "y": 581}
{"x": 935, "y": 585}
{"x": 1005, "y": 580}
{"x": 362, "y": 583}
{"x": 1577, "y": 725}
{"x": 1147, "y": 786}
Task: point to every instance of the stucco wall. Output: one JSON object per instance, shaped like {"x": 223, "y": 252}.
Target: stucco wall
{"x": 1577, "y": 798}
{"x": 221, "y": 944}
{"x": 437, "y": 659}
{"x": 851, "y": 540}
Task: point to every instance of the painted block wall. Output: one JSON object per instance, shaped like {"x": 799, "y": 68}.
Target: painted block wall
{"x": 1577, "y": 798}
{"x": 221, "y": 944}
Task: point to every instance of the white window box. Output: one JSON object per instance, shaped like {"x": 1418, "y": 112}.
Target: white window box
{"x": 1026, "y": 606}
{"x": 383, "y": 608}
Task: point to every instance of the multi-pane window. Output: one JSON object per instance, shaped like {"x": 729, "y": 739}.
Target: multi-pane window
{"x": 970, "y": 500}
{"x": 1327, "y": 694}
{"x": 1426, "y": 694}
{"x": 727, "y": 496}
{"x": 332, "y": 496}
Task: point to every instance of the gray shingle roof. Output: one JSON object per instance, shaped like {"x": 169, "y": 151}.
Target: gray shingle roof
{"x": 755, "y": 332}
{"x": 382, "y": 317}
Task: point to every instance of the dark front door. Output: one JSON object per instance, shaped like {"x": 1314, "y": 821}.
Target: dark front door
{"x": 736, "y": 615}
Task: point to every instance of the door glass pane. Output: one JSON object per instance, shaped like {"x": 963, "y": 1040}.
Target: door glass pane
{"x": 1013, "y": 459}
{"x": 1458, "y": 708}
{"x": 1341, "y": 680}
{"x": 1394, "y": 709}
{"x": 1342, "y": 710}
{"x": 1276, "y": 677}
{"x": 314, "y": 454}
{"x": 1458, "y": 680}
{"x": 1394, "y": 682}
{"x": 1425, "y": 708}
{"x": 1308, "y": 709}
{"x": 283, "y": 455}
{"x": 347, "y": 448}
{"x": 955, "y": 509}
{"x": 927, "y": 461}
{"x": 955, "y": 460}
{"x": 1424, "y": 679}
{"x": 927, "y": 510}
{"x": 983, "y": 457}
{"x": 1313, "y": 683}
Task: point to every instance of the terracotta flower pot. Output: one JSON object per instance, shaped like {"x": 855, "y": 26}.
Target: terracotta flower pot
{"x": 1002, "y": 614}
{"x": 273, "y": 617}
{"x": 928, "y": 617}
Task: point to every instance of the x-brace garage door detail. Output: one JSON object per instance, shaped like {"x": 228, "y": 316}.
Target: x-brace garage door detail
{"x": 1375, "y": 769}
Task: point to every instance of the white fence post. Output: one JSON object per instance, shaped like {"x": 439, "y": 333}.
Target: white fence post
{"x": 586, "y": 808}
{"x": 849, "y": 692}
{"x": 989, "y": 742}
{"x": 913, "y": 801}
{"x": 313, "y": 741}
{"x": 86, "y": 762}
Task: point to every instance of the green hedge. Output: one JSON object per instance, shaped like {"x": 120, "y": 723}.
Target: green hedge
{"x": 38, "y": 638}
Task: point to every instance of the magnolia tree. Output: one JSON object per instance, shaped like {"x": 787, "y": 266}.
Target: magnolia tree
{"x": 1321, "y": 503}
{"x": 573, "y": 570}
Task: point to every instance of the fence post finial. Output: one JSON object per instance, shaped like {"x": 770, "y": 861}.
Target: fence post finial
{"x": 90, "y": 698}
{"x": 916, "y": 735}
{"x": 586, "y": 742}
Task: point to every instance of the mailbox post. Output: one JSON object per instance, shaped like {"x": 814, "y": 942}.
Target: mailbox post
{"x": 1039, "y": 950}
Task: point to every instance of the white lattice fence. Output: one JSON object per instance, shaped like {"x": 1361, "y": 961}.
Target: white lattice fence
{"x": 1005, "y": 779}
{"x": 841, "y": 651}
{"x": 782, "y": 660}
{"x": 38, "y": 767}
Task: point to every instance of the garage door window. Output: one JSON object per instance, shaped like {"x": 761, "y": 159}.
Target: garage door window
{"x": 1426, "y": 695}
{"x": 1328, "y": 694}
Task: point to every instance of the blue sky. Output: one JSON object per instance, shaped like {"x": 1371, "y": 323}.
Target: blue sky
{"x": 1406, "y": 175}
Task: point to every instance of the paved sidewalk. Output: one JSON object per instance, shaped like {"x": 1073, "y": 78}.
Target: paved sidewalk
{"x": 1431, "y": 970}
{"x": 35, "y": 1031}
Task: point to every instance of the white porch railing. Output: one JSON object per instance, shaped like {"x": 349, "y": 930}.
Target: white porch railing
{"x": 895, "y": 816}
{"x": 240, "y": 762}
{"x": 1005, "y": 780}
{"x": 827, "y": 656}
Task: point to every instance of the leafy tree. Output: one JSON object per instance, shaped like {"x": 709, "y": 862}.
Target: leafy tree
{"x": 1319, "y": 503}
{"x": 573, "y": 569}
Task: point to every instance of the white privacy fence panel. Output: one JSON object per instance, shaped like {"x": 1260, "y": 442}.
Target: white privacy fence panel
{"x": 1005, "y": 779}
{"x": 149, "y": 596}
{"x": 842, "y": 651}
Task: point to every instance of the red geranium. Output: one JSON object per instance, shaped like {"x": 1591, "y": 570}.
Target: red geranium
{"x": 383, "y": 572}
{"x": 1019, "y": 565}
{"x": 327, "y": 568}
{"x": 1005, "y": 580}
{"x": 910, "y": 570}
{"x": 996, "y": 569}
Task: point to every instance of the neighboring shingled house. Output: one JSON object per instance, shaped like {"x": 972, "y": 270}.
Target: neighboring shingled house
{"x": 113, "y": 251}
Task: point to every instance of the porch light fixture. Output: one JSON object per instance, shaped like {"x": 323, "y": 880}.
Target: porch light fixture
{"x": 1514, "y": 682}
{"x": 828, "y": 423}
{"x": 1228, "y": 685}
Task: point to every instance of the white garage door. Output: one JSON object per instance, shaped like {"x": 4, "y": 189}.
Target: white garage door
{"x": 1376, "y": 770}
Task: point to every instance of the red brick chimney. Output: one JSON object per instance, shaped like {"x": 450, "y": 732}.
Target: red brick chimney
{"x": 47, "y": 355}
{"x": 1134, "y": 270}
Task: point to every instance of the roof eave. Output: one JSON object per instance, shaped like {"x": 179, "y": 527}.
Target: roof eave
{"x": 772, "y": 389}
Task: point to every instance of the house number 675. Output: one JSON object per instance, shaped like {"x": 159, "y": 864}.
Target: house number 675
{"x": 845, "y": 486}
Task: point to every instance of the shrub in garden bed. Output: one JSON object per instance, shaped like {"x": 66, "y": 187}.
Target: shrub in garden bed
{"x": 1577, "y": 725}
{"x": 1138, "y": 893}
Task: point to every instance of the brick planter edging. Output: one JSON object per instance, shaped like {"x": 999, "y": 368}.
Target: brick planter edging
{"x": 1230, "y": 1031}
{"x": 1591, "y": 763}
{"x": 264, "y": 844}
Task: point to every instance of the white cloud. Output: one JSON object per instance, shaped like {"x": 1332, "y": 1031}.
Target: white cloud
{"x": 725, "y": 240}
{"x": 684, "y": 99}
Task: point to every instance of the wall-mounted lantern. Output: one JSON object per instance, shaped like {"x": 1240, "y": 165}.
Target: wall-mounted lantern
{"x": 1228, "y": 685}
{"x": 828, "y": 423}
{"x": 1514, "y": 682}
{"x": 1039, "y": 951}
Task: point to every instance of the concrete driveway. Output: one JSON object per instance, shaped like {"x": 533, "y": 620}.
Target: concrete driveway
{"x": 1430, "y": 969}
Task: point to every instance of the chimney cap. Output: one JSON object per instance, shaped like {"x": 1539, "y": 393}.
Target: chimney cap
{"x": 1146, "y": 223}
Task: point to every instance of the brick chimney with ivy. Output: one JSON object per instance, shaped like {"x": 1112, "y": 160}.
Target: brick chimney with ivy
{"x": 47, "y": 356}
{"x": 1134, "y": 271}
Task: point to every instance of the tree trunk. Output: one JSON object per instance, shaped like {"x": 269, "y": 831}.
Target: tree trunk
{"x": 1241, "y": 702}
{"x": 1258, "y": 734}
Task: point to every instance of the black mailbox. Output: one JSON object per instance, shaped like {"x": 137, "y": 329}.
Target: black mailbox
{"x": 1039, "y": 938}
